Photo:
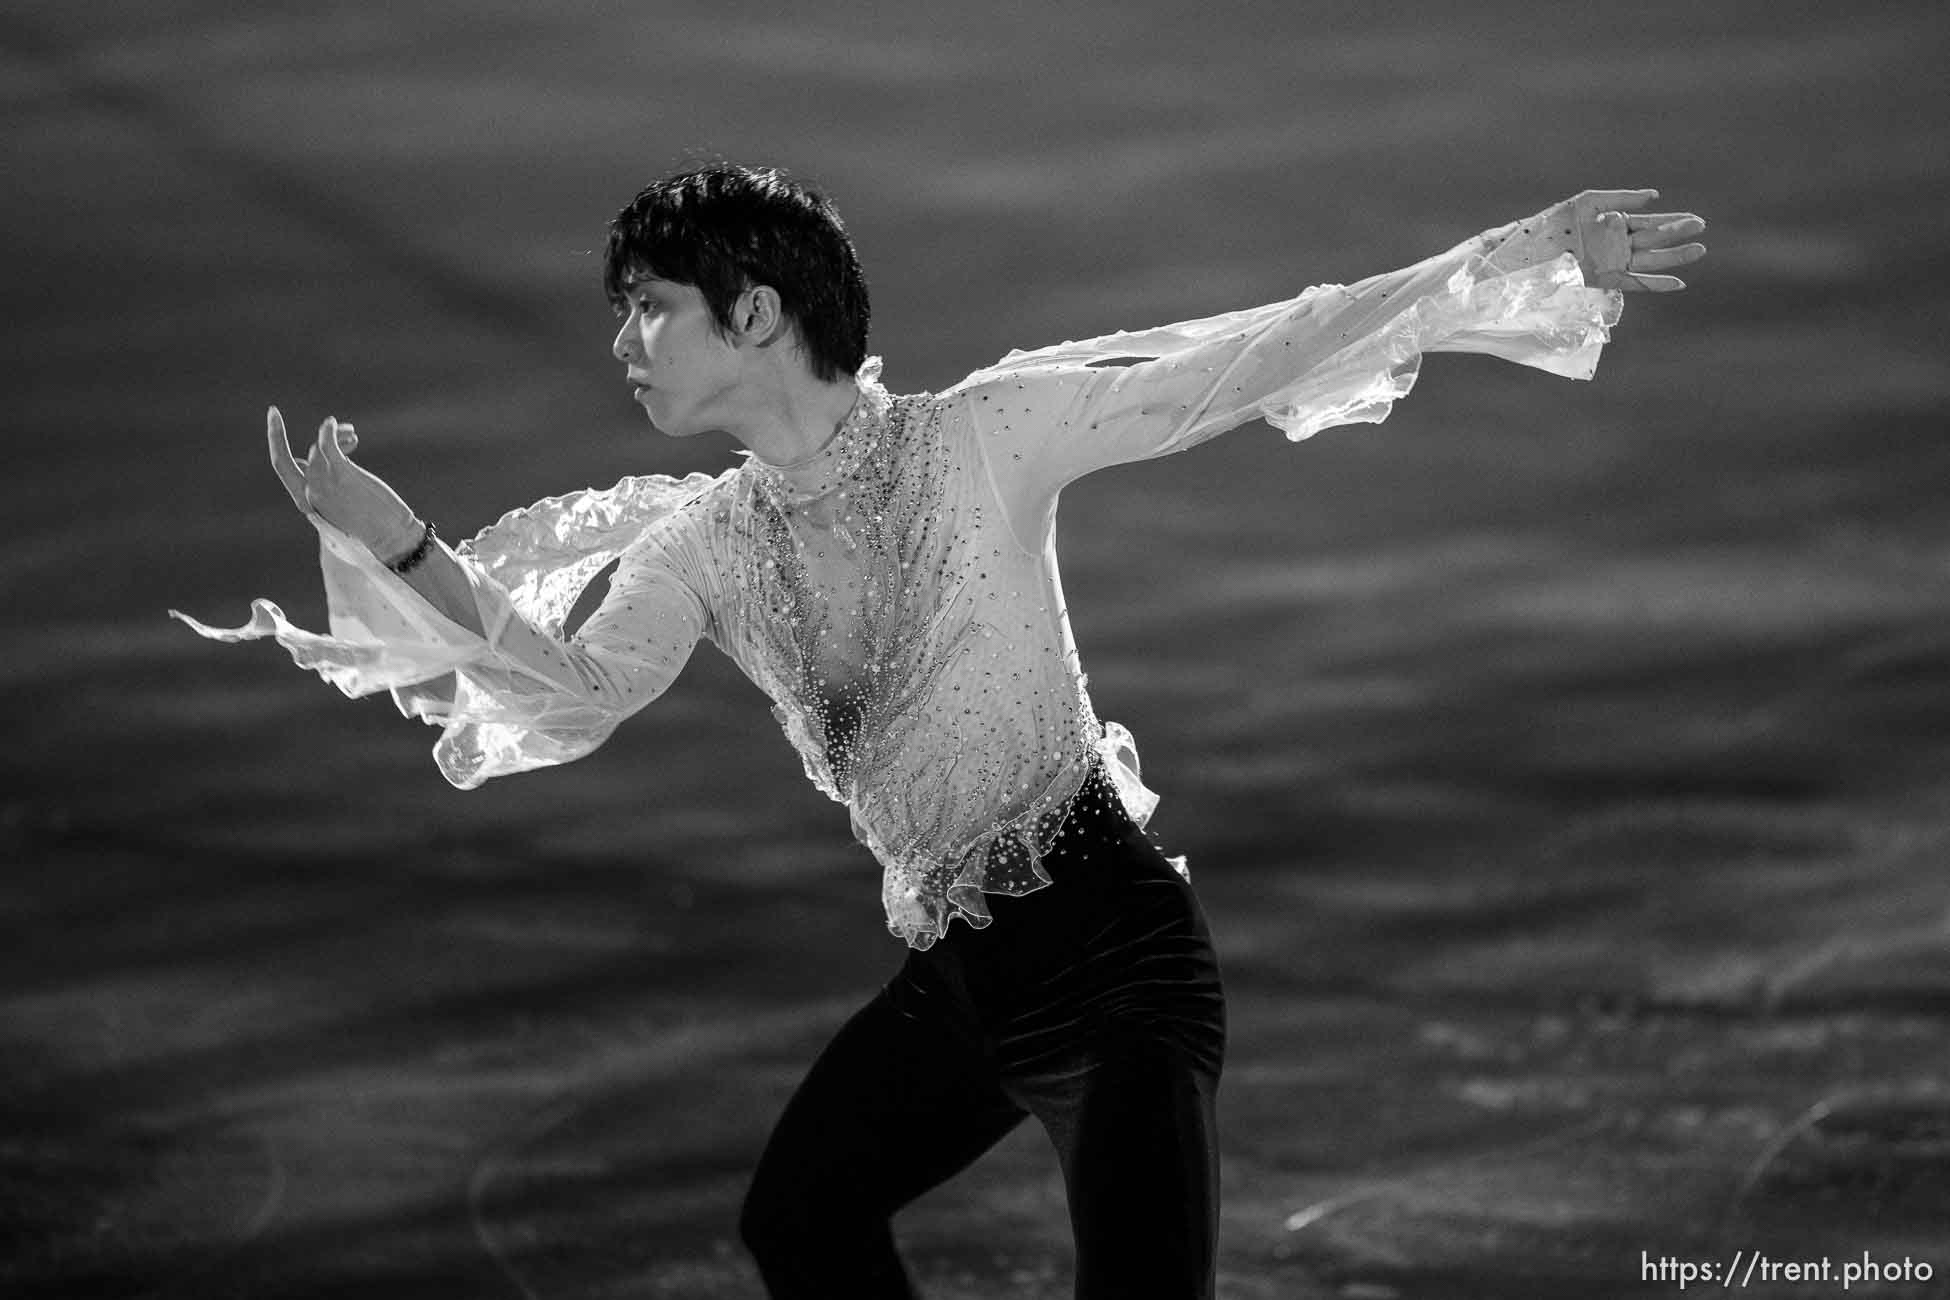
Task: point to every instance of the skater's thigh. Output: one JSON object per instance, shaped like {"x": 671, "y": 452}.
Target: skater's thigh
{"x": 892, "y": 1106}
{"x": 1139, "y": 1146}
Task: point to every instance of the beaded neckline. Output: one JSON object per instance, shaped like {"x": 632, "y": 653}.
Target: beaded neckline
{"x": 828, "y": 468}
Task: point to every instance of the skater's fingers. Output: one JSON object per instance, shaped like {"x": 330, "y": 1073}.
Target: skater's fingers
{"x": 1601, "y": 200}
{"x": 288, "y": 471}
{"x": 1664, "y": 259}
{"x": 1675, "y": 227}
{"x": 1631, "y": 282}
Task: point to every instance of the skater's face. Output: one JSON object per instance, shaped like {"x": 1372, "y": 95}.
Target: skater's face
{"x": 684, "y": 369}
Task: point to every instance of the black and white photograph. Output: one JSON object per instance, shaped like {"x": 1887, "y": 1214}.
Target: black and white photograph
{"x": 1256, "y": 651}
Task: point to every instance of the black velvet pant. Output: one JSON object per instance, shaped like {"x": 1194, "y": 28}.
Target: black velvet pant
{"x": 1094, "y": 1004}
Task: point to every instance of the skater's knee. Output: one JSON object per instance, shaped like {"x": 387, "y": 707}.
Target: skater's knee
{"x": 805, "y": 1248}
{"x": 785, "y": 1224}
{"x": 767, "y": 1224}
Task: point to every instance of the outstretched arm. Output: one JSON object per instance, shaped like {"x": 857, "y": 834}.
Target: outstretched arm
{"x": 457, "y": 648}
{"x": 1334, "y": 355}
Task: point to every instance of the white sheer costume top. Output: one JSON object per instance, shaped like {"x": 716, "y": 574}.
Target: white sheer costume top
{"x": 897, "y": 595}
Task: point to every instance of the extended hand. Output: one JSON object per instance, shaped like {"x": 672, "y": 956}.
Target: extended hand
{"x": 352, "y": 499}
{"x": 1620, "y": 249}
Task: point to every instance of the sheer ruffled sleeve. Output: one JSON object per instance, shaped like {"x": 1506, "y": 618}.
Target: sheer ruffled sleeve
{"x": 1334, "y": 355}
{"x": 518, "y": 695}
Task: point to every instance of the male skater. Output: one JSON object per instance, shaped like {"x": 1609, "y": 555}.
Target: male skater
{"x": 884, "y": 568}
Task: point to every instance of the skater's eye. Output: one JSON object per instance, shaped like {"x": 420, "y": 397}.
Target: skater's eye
{"x": 627, "y": 306}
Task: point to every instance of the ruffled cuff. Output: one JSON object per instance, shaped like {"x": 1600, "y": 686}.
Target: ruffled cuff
{"x": 1541, "y": 316}
{"x": 502, "y": 708}
{"x": 383, "y": 634}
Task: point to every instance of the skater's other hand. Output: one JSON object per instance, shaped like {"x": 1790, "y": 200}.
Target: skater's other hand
{"x": 1617, "y": 246}
{"x": 1621, "y": 248}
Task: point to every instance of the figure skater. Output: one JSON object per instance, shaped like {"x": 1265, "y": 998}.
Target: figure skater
{"x": 884, "y": 568}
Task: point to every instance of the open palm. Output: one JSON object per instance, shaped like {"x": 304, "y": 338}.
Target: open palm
{"x": 1619, "y": 247}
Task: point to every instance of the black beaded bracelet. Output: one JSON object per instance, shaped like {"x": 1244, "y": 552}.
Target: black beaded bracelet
{"x": 412, "y": 558}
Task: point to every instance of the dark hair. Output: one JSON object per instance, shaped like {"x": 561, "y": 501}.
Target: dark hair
{"x": 724, "y": 228}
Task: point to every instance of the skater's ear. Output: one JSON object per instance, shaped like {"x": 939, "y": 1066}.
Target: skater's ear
{"x": 758, "y": 317}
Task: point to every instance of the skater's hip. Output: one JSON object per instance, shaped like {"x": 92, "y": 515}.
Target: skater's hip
{"x": 1117, "y": 940}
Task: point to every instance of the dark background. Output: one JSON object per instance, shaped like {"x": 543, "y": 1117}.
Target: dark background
{"x": 1562, "y": 765}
